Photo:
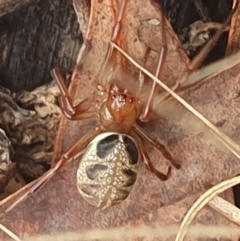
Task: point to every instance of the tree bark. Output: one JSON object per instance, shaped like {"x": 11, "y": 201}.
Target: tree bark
{"x": 36, "y": 38}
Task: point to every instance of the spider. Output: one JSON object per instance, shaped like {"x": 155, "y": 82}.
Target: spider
{"x": 110, "y": 153}
{"x": 108, "y": 167}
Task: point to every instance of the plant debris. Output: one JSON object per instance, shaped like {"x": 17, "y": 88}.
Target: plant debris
{"x": 29, "y": 122}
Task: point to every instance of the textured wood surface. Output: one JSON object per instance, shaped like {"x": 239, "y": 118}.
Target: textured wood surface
{"x": 34, "y": 39}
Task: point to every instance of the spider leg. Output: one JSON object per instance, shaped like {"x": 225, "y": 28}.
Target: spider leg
{"x": 161, "y": 147}
{"x": 72, "y": 154}
{"x": 111, "y": 55}
{"x": 146, "y": 115}
{"x": 141, "y": 75}
{"x": 146, "y": 160}
{"x": 184, "y": 82}
{"x": 71, "y": 112}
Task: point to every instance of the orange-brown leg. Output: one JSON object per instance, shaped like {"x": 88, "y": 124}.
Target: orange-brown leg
{"x": 110, "y": 56}
{"x": 146, "y": 114}
{"x": 161, "y": 147}
{"x": 141, "y": 75}
{"x": 146, "y": 160}
{"x": 72, "y": 154}
{"x": 183, "y": 83}
{"x": 84, "y": 51}
{"x": 71, "y": 112}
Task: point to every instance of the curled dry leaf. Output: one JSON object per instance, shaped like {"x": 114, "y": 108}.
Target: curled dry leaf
{"x": 58, "y": 207}
{"x": 30, "y": 120}
{"x": 7, "y": 167}
{"x": 198, "y": 33}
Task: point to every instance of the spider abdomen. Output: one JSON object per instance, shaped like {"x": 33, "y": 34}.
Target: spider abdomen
{"x": 108, "y": 169}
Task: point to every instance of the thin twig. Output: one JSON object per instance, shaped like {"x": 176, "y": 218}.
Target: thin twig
{"x": 226, "y": 208}
{"x": 9, "y": 233}
{"x": 201, "y": 202}
{"x": 143, "y": 231}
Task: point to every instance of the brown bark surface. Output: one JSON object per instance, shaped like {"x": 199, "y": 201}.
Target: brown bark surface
{"x": 34, "y": 39}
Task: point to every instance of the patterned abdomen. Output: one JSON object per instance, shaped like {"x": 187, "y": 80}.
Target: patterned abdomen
{"x": 108, "y": 169}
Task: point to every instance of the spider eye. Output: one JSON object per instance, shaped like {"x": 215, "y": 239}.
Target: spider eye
{"x": 130, "y": 100}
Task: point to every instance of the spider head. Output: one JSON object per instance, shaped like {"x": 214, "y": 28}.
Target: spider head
{"x": 122, "y": 104}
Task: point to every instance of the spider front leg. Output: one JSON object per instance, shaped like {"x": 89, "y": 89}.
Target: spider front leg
{"x": 72, "y": 154}
{"x": 116, "y": 38}
{"x": 161, "y": 147}
{"x": 146, "y": 114}
{"x": 146, "y": 160}
{"x": 71, "y": 112}
{"x": 141, "y": 75}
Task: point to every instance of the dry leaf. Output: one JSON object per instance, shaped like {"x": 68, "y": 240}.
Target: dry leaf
{"x": 58, "y": 207}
